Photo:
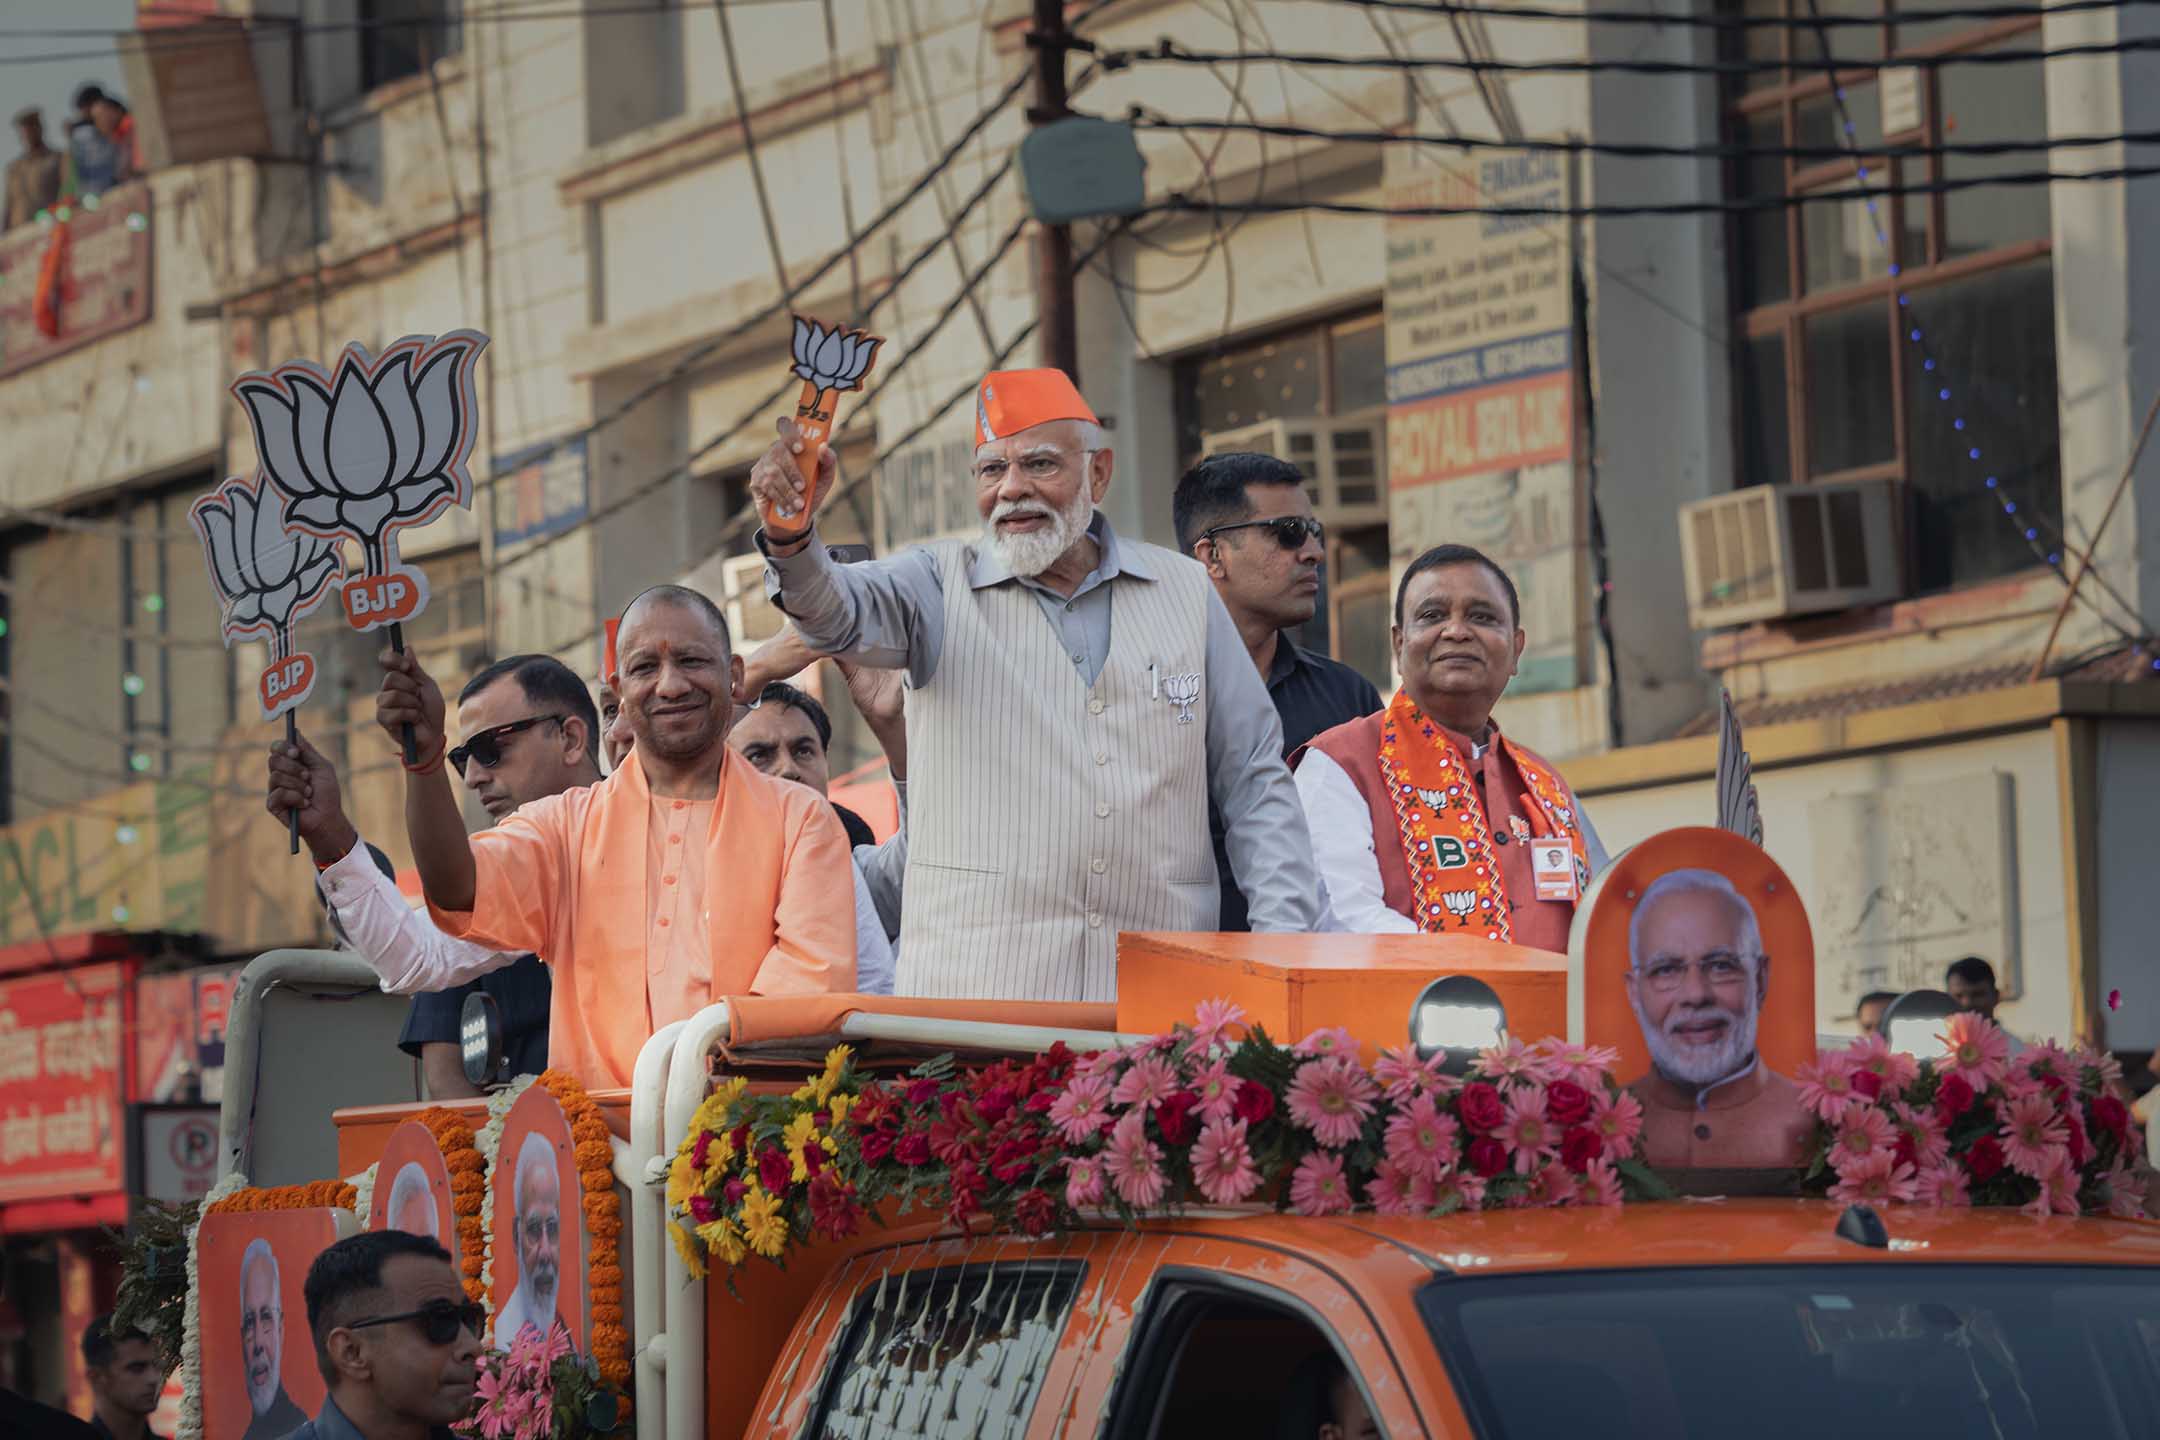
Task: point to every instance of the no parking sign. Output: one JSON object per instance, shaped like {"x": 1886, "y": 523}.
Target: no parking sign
{"x": 172, "y": 1151}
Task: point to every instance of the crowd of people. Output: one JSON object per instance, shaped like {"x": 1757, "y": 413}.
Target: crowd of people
{"x": 99, "y": 152}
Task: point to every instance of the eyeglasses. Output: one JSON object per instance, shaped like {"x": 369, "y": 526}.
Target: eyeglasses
{"x": 1035, "y": 465}
{"x": 1721, "y": 968}
{"x": 1290, "y": 531}
{"x": 487, "y": 746}
{"x": 439, "y": 1320}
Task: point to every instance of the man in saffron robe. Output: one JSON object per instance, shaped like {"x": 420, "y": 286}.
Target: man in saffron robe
{"x": 682, "y": 878}
{"x": 1425, "y": 817}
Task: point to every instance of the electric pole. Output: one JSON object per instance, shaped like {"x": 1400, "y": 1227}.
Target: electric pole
{"x": 1053, "y": 243}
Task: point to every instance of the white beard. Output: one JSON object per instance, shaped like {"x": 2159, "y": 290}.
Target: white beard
{"x": 1691, "y": 1066}
{"x": 1029, "y": 553}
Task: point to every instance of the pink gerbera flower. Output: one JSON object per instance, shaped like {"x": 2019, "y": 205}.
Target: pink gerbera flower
{"x": 1617, "y": 1119}
{"x": 2121, "y": 1193}
{"x": 2058, "y": 1192}
{"x": 2089, "y": 1061}
{"x": 1132, "y": 1161}
{"x": 1105, "y": 1063}
{"x": 1402, "y": 1075}
{"x": 1584, "y": 1065}
{"x": 1876, "y": 1178}
{"x": 1217, "y": 1089}
{"x": 1318, "y": 1186}
{"x": 1333, "y": 1040}
{"x": 1081, "y": 1108}
{"x": 1212, "y": 1022}
{"x": 1552, "y": 1185}
{"x": 1528, "y": 1135}
{"x": 1386, "y": 1192}
{"x": 1149, "y": 1082}
{"x": 2049, "y": 1060}
{"x": 1942, "y": 1186}
{"x": 1826, "y": 1090}
{"x": 1598, "y": 1185}
{"x": 493, "y": 1415}
{"x": 1331, "y": 1098}
{"x": 1222, "y": 1163}
{"x": 1893, "y": 1068}
{"x": 1863, "y": 1131}
{"x": 2035, "y": 1141}
{"x": 1926, "y": 1130}
{"x": 1459, "y": 1190}
{"x": 1421, "y": 1140}
{"x": 1084, "y": 1181}
{"x": 1976, "y": 1048}
{"x": 1514, "y": 1065}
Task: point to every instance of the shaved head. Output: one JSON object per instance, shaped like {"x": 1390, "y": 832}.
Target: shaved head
{"x": 683, "y": 596}
{"x": 677, "y": 673}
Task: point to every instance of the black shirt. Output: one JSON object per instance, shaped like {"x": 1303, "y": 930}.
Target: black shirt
{"x": 31, "y": 1421}
{"x": 522, "y": 992}
{"x": 1311, "y": 693}
{"x": 858, "y": 829}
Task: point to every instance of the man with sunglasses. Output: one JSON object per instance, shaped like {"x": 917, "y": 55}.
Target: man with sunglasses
{"x": 531, "y": 730}
{"x": 1076, "y": 701}
{"x": 1247, "y": 518}
{"x": 396, "y": 1337}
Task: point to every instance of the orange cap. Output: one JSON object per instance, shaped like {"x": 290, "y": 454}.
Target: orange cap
{"x": 1010, "y": 401}
{"x": 607, "y": 654}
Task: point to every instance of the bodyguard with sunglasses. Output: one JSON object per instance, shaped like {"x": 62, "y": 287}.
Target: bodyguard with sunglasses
{"x": 1247, "y": 518}
{"x": 531, "y": 731}
{"x": 396, "y": 1338}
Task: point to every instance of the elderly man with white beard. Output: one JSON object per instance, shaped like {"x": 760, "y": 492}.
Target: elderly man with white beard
{"x": 1076, "y": 698}
{"x": 536, "y": 1203}
{"x": 1697, "y": 976}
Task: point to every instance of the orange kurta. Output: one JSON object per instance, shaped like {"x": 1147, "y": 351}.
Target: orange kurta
{"x": 571, "y": 879}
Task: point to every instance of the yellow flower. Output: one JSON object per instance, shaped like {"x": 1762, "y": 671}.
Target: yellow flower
{"x": 799, "y": 1133}
{"x": 681, "y": 1182}
{"x": 839, "y": 1106}
{"x": 717, "y": 1159}
{"x": 712, "y": 1114}
{"x": 765, "y": 1227}
{"x": 692, "y": 1261}
{"x": 721, "y": 1237}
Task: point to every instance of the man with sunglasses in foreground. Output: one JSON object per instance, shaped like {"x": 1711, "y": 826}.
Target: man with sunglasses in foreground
{"x": 396, "y": 1338}
{"x": 532, "y": 733}
{"x": 1076, "y": 701}
{"x": 1247, "y": 518}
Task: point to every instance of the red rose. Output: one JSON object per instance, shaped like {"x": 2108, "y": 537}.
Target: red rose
{"x": 948, "y": 1104}
{"x": 832, "y": 1207}
{"x": 1042, "y": 1100}
{"x": 1984, "y": 1161}
{"x": 1481, "y": 1106}
{"x": 701, "y": 1149}
{"x": 949, "y": 1142}
{"x": 1255, "y": 1102}
{"x": 994, "y": 1103}
{"x": 1012, "y": 1159}
{"x": 702, "y": 1210}
{"x": 876, "y": 1145}
{"x": 1905, "y": 1152}
{"x": 2080, "y": 1144}
{"x": 734, "y": 1189}
{"x": 2111, "y": 1115}
{"x": 913, "y": 1149}
{"x": 1175, "y": 1115}
{"x": 741, "y": 1138}
{"x": 773, "y": 1170}
{"x": 1953, "y": 1097}
{"x": 1487, "y": 1156}
{"x": 1036, "y": 1212}
{"x": 1866, "y": 1083}
{"x": 822, "y": 1119}
{"x": 1579, "y": 1147}
{"x": 1566, "y": 1103}
{"x": 813, "y": 1157}
{"x": 922, "y": 1092}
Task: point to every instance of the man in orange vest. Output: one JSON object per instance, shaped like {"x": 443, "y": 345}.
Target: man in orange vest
{"x": 682, "y": 878}
{"x": 1425, "y": 817}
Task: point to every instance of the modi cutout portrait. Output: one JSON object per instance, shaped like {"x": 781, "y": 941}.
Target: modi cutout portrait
{"x": 538, "y": 1225}
{"x": 258, "y": 1364}
{"x": 412, "y": 1188}
{"x": 1690, "y": 958}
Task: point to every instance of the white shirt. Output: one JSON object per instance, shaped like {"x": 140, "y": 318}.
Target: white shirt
{"x": 411, "y": 956}
{"x": 1342, "y": 840}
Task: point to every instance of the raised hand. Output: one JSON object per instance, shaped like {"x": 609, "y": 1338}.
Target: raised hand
{"x": 409, "y": 697}
{"x": 302, "y": 779}
{"x": 780, "y": 487}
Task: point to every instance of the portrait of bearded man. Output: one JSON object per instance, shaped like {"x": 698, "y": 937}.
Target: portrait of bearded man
{"x": 538, "y": 1210}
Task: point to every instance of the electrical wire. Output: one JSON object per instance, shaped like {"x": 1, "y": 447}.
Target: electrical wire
{"x": 1978, "y": 14}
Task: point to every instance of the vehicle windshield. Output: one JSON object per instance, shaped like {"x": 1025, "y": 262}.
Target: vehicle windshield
{"x": 1905, "y": 1352}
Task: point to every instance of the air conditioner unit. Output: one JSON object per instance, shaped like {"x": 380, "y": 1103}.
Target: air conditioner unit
{"x": 752, "y": 617}
{"x": 1344, "y": 458}
{"x": 1771, "y": 551}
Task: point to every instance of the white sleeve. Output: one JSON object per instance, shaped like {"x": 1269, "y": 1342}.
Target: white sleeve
{"x": 403, "y": 945}
{"x": 1342, "y": 842}
{"x": 873, "y": 952}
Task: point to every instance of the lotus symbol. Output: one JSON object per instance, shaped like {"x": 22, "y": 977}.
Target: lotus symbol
{"x": 376, "y": 447}
{"x": 830, "y": 357}
{"x": 266, "y": 576}
{"x": 1459, "y": 902}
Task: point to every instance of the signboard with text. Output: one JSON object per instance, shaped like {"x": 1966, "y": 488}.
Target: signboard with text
{"x": 1481, "y": 386}
{"x": 104, "y": 277}
{"x": 174, "y": 1152}
{"x": 134, "y": 858}
{"x": 60, "y": 1065}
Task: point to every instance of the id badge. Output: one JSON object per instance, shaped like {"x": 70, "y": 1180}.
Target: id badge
{"x": 1552, "y": 862}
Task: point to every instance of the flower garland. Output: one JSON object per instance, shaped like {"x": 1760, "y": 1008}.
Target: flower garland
{"x": 364, "y": 1194}
{"x": 315, "y": 1195}
{"x": 190, "y": 1426}
{"x": 488, "y": 1141}
{"x": 594, "y": 1151}
{"x": 1210, "y": 1112}
{"x": 1975, "y": 1126}
{"x": 468, "y": 1187}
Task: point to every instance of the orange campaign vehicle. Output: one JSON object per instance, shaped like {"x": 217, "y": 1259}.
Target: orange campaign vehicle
{"x": 1299, "y": 1185}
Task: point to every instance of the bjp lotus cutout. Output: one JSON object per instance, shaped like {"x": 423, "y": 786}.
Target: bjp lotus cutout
{"x": 828, "y": 359}
{"x": 267, "y": 578}
{"x": 379, "y": 446}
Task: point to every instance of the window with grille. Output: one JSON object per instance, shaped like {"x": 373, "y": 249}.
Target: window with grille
{"x": 959, "y": 1350}
{"x": 1831, "y": 382}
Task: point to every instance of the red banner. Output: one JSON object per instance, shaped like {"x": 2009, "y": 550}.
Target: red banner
{"x": 60, "y": 1078}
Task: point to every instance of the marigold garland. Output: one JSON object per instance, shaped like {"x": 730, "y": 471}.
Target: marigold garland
{"x": 602, "y": 1208}
{"x": 468, "y": 1184}
{"x": 315, "y": 1195}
